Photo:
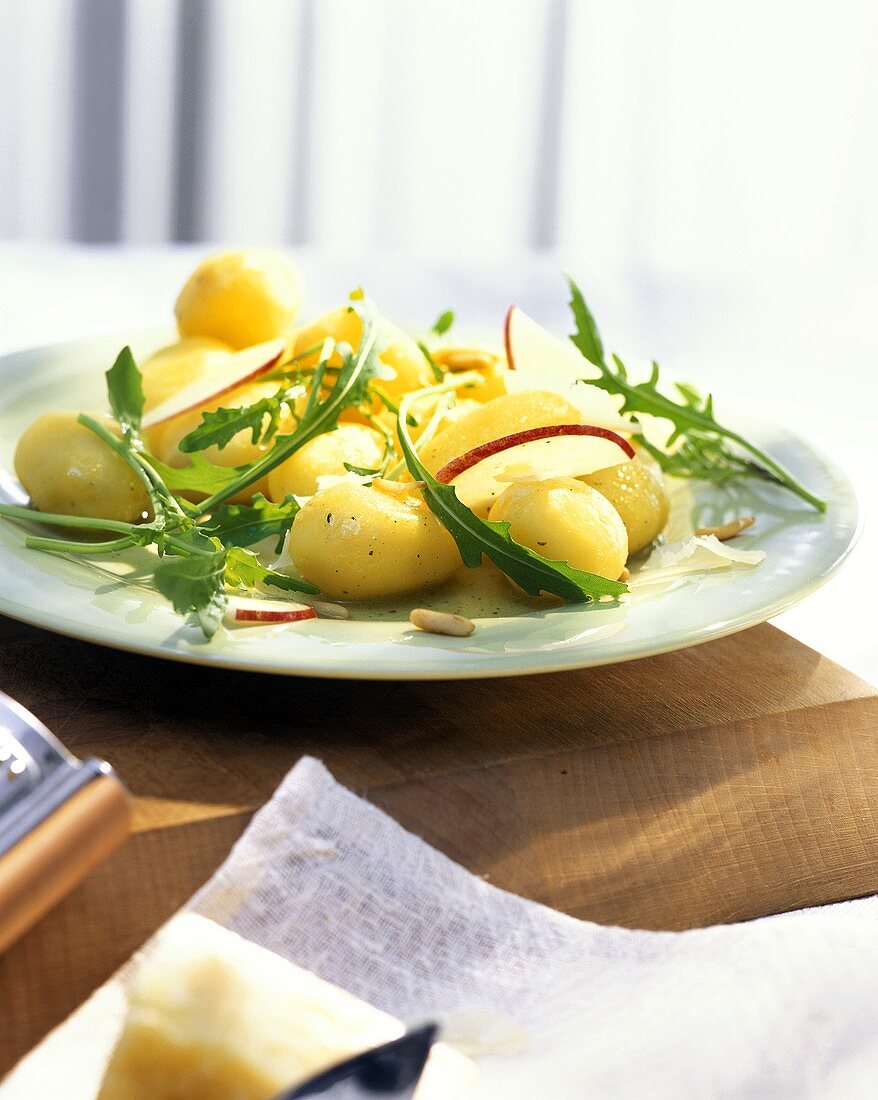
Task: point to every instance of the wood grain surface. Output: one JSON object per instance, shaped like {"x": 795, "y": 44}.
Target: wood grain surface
{"x": 719, "y": 783}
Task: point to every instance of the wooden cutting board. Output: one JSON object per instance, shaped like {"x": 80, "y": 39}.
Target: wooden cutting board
{"x": 720, "y": 783}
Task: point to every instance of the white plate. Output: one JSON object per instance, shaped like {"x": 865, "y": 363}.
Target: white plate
{"x": 70, "y": 597}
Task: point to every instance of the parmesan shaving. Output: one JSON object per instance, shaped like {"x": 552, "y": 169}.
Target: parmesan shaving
{"x": 698, "y": 554}
{"x": 728, "y": 530}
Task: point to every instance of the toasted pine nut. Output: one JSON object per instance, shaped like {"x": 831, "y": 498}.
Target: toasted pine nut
{"x": 441, "y": 622}
{"x": 625, "y": 574}
{"x": 728, "y": 530}
{"x": 455, "y": 359}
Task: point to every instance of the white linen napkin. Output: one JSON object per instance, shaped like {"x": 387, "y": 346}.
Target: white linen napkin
{"x": 558, "y": 1008}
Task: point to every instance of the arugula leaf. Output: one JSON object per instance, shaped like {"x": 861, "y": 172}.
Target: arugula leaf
{"x": 125, "y": 390}
{"x": 692, "y": 419}
{"x": 244, "y": 524}
{"x": 218, "y": 428}
{"x": 476, "y": 537}
{"x": 195, "y": 585}
{"x": 586, "y": 338}
{"x": 706, "y": 460}
{"x": 245, "y": 571}
{"x": 443, "y": 322}
{"x": 202, "y": 476}
{"x": 350, "y": 388}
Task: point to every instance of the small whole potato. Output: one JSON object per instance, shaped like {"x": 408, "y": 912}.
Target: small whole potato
{"x": 240, "y": 298}
{"x": 360, "y": 542}
{"x": 514, "y": 412}
{"x": 637, "y": 492}
{"x": 564, "y": 519}
{"x": 355, "y": 444}
{"x": 177, "y": 365}
{"x": 65, "y": 468}
{"x": 163, "y": 440}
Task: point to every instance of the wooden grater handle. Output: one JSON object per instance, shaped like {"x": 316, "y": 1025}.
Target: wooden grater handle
{"x": 54, "y": 858}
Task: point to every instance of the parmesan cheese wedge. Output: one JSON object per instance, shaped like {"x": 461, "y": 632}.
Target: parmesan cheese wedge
{"x": 213, "y": 1016}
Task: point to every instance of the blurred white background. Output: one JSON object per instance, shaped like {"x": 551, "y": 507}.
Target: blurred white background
{"x": 708, "y": 171}
{"x": 676, "y": 139}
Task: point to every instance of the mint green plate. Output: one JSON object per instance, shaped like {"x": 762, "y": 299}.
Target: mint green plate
{"x": 72, "y": 597}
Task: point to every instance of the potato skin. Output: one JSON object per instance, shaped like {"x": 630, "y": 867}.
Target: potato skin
{"x": 637, "y": 492}
{"x": 562, "y": 518}
{"x": 356, "y": 444}
{"x": 359, "y": 542}
{"x": 65, "y": 468}
{"x": 240, "y": 298}
{"x": 514, "y": 412}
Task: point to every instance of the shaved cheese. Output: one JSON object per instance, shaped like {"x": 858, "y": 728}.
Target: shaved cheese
{"x": 698, "y": 554}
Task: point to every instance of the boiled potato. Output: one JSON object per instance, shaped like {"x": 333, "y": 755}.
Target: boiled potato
{"x": 514, "y": 412}
{"x": 170, "y": 369}
{"x": 564, "y": 519}
{"x": 240, "y": 298}
{"x": 65, "y": 468}
{"x": 637, "y": 492}
{"x": 355, "y": 444}
{"x": 362, "y": 542}
{"x": 163, "y": 440}
{"x": 396, "y": 350}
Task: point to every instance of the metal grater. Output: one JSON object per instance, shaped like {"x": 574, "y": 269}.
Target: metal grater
{"x": 59, "y": 816}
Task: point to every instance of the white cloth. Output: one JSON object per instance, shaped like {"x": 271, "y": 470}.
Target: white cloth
{"x": 563, "y": 1009}
{"x": 785, "y": 1006}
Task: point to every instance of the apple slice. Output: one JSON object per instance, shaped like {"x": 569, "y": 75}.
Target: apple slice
{"x": 254, "y": 612}
{"x": 538, "y": 360}
{"x": 562, "y": 450}
{"x": 240, "y": 367}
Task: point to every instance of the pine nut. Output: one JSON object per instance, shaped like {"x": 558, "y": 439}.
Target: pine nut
{"x": 441, "y": 622}
{"x": 728, "y": 530}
